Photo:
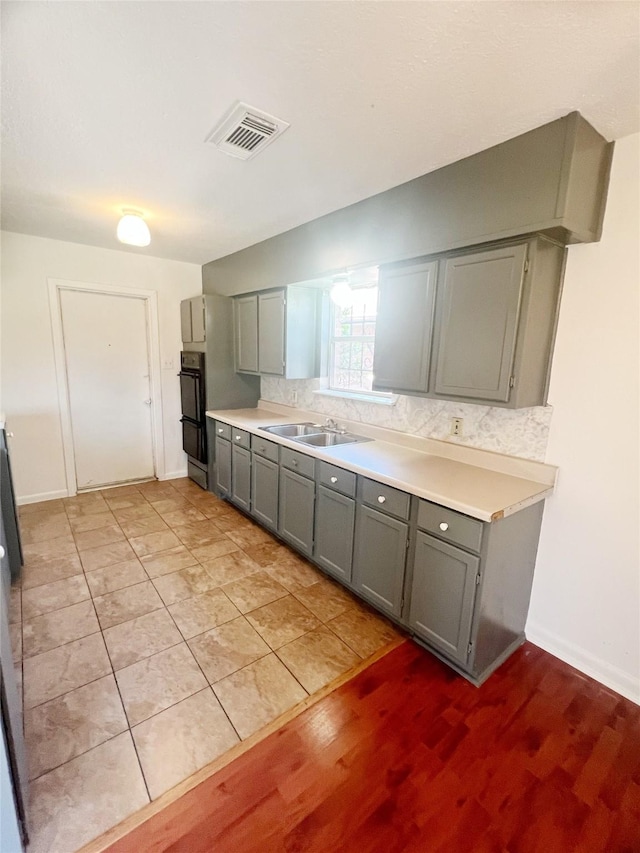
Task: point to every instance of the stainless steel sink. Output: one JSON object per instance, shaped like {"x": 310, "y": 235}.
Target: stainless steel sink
{"x": 330, "y": 439}
{"x": 293, "y": 430}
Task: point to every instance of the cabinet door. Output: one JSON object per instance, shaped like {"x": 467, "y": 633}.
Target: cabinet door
{"x": 271, "y": 332}
{"x": 246, "y": 333}
{"x": 241, "y": 477}
{"x": 379, "y": 558}
{"x": 335, "y": 521}
{"x": 223, "y": 466}
{"x": 478, "y": 322}
{"x": 264, "y": 490}
{"x": 197, "y": 319}
{"x": 442, "y": 595}
{"x": 297, "y": 499}
{"x": 185, "y": 321}
{"x": 404, "y": 323}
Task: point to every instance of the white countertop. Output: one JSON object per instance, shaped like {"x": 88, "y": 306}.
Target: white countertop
{"x": 484, "y": 485}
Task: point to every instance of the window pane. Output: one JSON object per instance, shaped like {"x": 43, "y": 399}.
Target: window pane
{"x": 351, "y": 365}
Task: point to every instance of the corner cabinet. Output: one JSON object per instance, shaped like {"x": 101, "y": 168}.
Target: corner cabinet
{"x": 471, "y": 325}
{"x": 192, "y": 320}
{"x": 277, "y": 332}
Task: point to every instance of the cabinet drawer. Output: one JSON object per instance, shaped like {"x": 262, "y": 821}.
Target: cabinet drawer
{"x": 298, "y": 462}
{"x": 386, "y": 499}
{"x": 223, "y": 430}
{"x": 450, "y": 525}
{"x": 338, "y": 479}
{"x": 264, "y": 447}
{"x": 241, "y": 437}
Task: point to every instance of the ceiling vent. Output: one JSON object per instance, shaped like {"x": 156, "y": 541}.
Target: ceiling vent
{"x": 245, "y": 131}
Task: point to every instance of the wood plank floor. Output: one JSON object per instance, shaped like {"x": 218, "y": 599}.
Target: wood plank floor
{"x": 409, "y": 757}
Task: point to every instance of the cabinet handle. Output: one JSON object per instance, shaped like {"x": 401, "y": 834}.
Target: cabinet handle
{"x": 444, "y": 525}
{"x": 381, "y": 499}
{"x": 9, "y": 435}
{"x": 294, "y": 462}
{"x": 238, "y": 438}
{"x": 220, "y": 430}
{"x": 334, "y": 479}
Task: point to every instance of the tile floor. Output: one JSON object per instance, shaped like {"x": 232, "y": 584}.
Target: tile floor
{"x": 155, "y": 627}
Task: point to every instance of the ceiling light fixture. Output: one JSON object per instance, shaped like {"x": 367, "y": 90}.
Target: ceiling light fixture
{"x": 133, "y": 230}
{"x": 341, "y": 292}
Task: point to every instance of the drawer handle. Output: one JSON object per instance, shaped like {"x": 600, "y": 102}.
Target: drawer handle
{"x": 294, "y": 462}
{"x": 444, "y": 526}
{"x": 238, "y": 438}
{"x": 220, "y": 430}
{"x": 381, "y": 499}
{"x": 334, "y": 479}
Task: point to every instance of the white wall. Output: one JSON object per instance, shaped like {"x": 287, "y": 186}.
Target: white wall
{"x": 586, "y": 596}
{"x": 29, "y": 390}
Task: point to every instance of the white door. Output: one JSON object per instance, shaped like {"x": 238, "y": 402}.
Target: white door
{"x": 107, "y": 363}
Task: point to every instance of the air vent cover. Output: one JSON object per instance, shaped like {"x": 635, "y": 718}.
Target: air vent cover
{"x": 245, "y": 131}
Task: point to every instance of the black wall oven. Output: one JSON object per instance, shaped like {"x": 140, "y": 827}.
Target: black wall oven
{"x": 194, "y": 426}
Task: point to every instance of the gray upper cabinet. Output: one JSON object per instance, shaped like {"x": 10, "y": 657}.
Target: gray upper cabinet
{"x": 480, "y": 305}
{"x": 406, "y": 298}
{"x": 277, "y": 332}
{"x": 192, "y": 320}
{"x": 246, "y": 333}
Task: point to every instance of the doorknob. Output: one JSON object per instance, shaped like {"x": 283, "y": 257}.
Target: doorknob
{"x": 147, "y": 402}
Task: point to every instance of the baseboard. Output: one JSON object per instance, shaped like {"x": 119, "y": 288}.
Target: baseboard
{"x": 174, "y": 475}
{"x": 617, "y": 679}
{"x": 43, "y": 496}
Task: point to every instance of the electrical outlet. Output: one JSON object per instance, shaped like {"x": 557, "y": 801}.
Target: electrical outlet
{"x": 168, "y": 364}
{"x": 456, "y": 426}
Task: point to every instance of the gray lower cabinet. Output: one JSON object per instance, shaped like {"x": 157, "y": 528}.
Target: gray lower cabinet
{"x": 241, "y": 477}
{"x": 442, "y": 596}
{"x": 297, "y": 506}
{"x": 379, "y": 558}
{"x": 264, "y": 490}
{"x": 223, "y": 466}
{"x": 335, "y": 525}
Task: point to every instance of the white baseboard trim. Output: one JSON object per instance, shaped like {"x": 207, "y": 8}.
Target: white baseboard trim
{"x": 43, "y": 496}
{"x": 174, "y": 475}
{"x": 624, "y": 683}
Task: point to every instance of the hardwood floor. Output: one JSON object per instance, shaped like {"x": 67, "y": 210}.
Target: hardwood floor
{"x": 408, "y": 756}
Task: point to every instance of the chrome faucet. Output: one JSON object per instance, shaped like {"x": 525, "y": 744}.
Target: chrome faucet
{"x": 331, "y": 424}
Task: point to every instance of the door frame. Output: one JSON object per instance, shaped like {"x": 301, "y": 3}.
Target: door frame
{"x": 150, "y": 299}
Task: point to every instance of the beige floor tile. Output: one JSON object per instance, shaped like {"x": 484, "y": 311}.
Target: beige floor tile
{"x": 295, "y": 573}
{"x": 159, "y": 681}
{"x": 106, "y": 555}
{"x": 230, "y": 519}
{"x": 50, "y": 527}
{"x": 57, "y": 671}
{"x": 257, "y": 694}
{"x": 183, "y": 584}
{"x": 157, "y": 491}
{"x": 317, "y": 658}
{"x": 114, "y": 577}
{"x": 85, "y": 507}
{"x": 86, "y": 796}
{"x": 169, "y": 561}
{"x": 197, "y": 615}
{"x": 152, "y": 543}
{"x": 143, "y": 526}
{"x": 15, "y": 632}
{"x": 119, "y": 491}
{"x": 216, "y": 549}
{"x": 141, "y": 509}
{"x": 362, "y": 631}
{"x": 127, "y": 502}
{"x": 58, "y": 627}
{"x": 268, "y": 554}
{"x": 226, "y": 649}
{"x": 253, "y": 591}
{"x": 230, "y": 567}
{"x": 177, "y": 742}
{"x": 325, "y": 599}
{"x": 69, "y": 725}
{"x": 127, "y": 603}
{"x": 181, "y": 517}
{"x": 170, "y": 504}
{"x": 248, "y": 537}
{"x": 92, "y": 522}
{"x": 282, "y": 621}
{"x": 53, "y": 596}
{"x": 49, "y": 571}
{"x": 140, "y": 638}
{"x": 100, "y": 536}
{"x": 51, "y": 549}
{"x": 198, "y": 534}
{"x": 15, "y": 604}
{"x": 42, "y": 507}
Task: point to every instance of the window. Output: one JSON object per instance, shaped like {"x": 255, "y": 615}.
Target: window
{"x": 351, "y": 345}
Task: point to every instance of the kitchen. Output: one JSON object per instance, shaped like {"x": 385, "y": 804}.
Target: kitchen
{"x": 591, "y": 625}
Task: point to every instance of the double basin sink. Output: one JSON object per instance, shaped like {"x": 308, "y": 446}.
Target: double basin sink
{"x": 314, "y": 434}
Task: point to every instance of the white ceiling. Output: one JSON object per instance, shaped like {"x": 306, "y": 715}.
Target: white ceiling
{"x": 106, "y": 105}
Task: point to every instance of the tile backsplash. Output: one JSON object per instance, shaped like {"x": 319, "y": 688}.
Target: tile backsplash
{"x": 515, "y": 432}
